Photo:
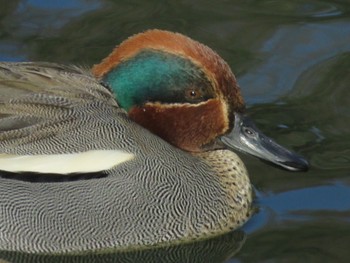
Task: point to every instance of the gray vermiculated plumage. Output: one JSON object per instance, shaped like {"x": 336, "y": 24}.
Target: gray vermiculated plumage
{"x": 217, "y": 249}
{"x": 162, "y": 195}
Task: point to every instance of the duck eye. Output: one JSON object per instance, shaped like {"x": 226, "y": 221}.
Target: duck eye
{"x": 193, "y": 94}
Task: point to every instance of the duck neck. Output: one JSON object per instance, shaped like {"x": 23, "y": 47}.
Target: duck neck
{"x": 234, "y": 178}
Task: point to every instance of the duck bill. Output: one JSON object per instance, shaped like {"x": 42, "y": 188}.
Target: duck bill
{"x": 246, "y": 137}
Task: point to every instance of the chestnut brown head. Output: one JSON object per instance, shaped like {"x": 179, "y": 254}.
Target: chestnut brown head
{"x": 184, "y": 92}
{"x": 174, "y": 86}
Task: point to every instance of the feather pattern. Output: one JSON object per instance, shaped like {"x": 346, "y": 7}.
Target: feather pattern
{"x": 49, "y": 109}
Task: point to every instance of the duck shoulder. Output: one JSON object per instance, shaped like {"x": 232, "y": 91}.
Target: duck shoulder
{"x": 44, "y": 108}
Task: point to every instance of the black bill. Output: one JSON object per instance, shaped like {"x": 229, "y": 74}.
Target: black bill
{"x": 246, "y": 137}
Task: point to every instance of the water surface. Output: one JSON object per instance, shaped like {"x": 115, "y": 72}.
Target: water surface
{"x": 292, "y": 60}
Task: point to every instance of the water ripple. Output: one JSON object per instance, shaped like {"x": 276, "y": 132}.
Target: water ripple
{"x": 315, "y": 9}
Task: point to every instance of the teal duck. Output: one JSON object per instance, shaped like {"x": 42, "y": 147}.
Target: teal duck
{"x": 136, "y": 153}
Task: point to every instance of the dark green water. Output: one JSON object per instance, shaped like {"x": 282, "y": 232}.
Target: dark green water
{"x": 292, "y": 60}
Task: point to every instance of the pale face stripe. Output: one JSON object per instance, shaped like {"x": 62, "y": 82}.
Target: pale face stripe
{"x": 84, "y": 162}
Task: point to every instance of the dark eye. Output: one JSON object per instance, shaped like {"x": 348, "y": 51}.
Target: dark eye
{"x": 193, "y": 94}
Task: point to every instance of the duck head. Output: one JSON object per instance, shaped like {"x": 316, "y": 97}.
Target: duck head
{"x": 186, "y": 93}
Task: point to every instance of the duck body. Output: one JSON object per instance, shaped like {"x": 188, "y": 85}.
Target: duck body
{"x": 162, "y": 194}
{"x": 137, "y": 154}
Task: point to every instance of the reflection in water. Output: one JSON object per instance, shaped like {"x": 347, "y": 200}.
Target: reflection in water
{"x": 39, "y": 18}
{"x": 217, "y": 250}
{"x": 325, "y": 239}
{"x": 309, "y": 199}
{"x": 294, "y": 48}
{"x": 311, "y": 216}
{"x": 299, "y": 8}
{"x": 323, "y": 91}
{"x": 313, "y": 43}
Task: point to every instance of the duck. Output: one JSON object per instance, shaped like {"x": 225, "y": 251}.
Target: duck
{"x": 138, "y": 152}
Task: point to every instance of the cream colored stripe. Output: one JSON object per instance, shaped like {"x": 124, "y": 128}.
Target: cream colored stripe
{"x": 84, "y": 162}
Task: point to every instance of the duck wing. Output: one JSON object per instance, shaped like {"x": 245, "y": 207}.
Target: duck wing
{"x": 71, "y": 82}
{"x": 48, "y": 119}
